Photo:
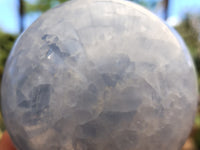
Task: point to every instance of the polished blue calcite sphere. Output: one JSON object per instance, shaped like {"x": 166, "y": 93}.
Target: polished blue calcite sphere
{"x": 99, "y": 75}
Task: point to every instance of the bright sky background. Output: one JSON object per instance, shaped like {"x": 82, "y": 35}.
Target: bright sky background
{"x": 9, "y": 19}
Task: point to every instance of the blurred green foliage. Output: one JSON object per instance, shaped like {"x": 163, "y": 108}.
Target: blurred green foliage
{"x": 196, "y": 132}
{"x": 42, "y": 5}
{"x": 6, "y": 43}
{"x": 191, "y": 38}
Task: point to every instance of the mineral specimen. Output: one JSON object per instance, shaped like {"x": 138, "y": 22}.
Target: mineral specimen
{"x": 99, "y": 75}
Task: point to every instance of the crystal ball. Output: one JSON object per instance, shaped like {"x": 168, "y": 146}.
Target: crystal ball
{"x": 99, "y": 75}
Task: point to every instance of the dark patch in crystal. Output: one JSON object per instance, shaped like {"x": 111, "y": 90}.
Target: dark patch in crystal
{"x": 111, "y": 146}
{"x": 87, "y": 99}
{"x": 110, "y": 79}
{"x": 92, "y": 88}
{"x": 104, "y": 128}
{"x": 24, "y": 104}
{"x": 40, "y": 97}
{"x": 53, "y": 48}
{"x": 83, "y": 144}
{"x": 44, "y": 37}
{"x": 116, "y": 118}
{"x": 50, "y": 38}
{"x": 21, "y": 99}
{"x": 92, "y": 129}
{"x": 126, "y": 139}
{"x": 37, "y": 104}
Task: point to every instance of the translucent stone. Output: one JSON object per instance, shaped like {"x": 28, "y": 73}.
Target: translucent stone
{"x": 99, "y": 75}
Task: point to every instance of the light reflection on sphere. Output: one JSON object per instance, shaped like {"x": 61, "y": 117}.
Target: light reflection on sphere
{"x": 99, "y": 75}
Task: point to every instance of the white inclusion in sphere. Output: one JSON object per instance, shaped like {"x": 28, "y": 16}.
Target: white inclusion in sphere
{"x": 99, "y": 75}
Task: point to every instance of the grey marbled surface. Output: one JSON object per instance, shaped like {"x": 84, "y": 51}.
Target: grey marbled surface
{"x": 99, "y": 75}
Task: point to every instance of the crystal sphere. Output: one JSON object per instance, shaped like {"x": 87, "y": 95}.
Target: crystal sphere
{"x": 99, "y": 75}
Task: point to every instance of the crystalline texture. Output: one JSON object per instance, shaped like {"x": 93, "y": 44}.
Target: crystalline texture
{"x": 99, "y": 75}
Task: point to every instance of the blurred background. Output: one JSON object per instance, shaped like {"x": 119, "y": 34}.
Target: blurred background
{"x": 183, "y": 15}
